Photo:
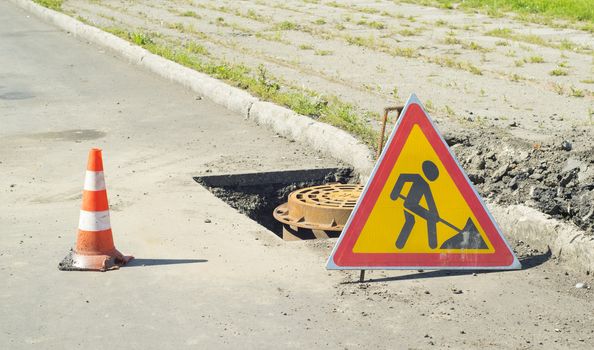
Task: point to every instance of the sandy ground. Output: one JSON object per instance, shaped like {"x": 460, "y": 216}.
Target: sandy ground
{"x": 225, "y": 284}
{"x": 354, "y": 50}
{"x": 494, "y": 97}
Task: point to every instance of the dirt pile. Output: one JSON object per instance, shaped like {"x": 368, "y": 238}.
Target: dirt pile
{"x": 552, "y": 177}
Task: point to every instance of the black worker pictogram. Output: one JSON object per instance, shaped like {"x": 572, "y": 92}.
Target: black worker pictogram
{"x": 466, "y": 238}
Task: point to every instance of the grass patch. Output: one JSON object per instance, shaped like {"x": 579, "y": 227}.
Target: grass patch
{"x": 306, "y": 47}
{"x": 369, "y": 42}
{"x": 344, "y": 116}
{"x": 83, "y": 20}
{"x": 557, "y": 72}
{"x": 408, "y": 32}
{"x": 476, "y": 47}
{"x": 564, "y": 44}
{"x": 516, "y": 78}
{"x": 376, "y": 25}
{"x": 538, "y": 11}
{"x": 251, "y": 14}
{"x": 532, "y": 39}
{"x": 190, "y": 14}
{"x": 507, "y": 33}
{"x": 286, "y": 25}
{"x": 451, "y": 40}
{"x": 450, "y": 111}
{"x": 140, "y": 39}
{"x": 394, "y": 92}
{"x": 177, "y": 26}
{"x": 369, "y": 10}
{"x": 578, "y": 10}
{"x": 408, "y": 52}
{"x": 575, "y": 92}
{"x": 568, "y": 45}
{"x": 196, "y": 48}
{"x": 275, "y": 36}
{"x": 510, "y": 53}
{"x": 335, "y": 4}
{"x": 51, "y": 4}
{"x": 323, "y": 52}
{"x": 372, "y": 24}
{"x": 449, "y": 62}
{"x": 531, "y": 59}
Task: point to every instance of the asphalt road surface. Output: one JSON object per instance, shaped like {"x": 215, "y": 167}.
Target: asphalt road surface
{"x": 206, "y": 276}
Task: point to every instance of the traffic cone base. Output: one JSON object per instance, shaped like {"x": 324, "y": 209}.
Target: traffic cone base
{"x": 100, "y": 262}
{"x": 94, "y": 250}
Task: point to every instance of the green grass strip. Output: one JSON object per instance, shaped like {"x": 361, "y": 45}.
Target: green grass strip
{"x": 260, "y": 83}
{"x": 51, "y": 4}
{"x": 538, "y": 11}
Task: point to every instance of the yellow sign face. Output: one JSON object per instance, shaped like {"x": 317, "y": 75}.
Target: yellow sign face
{"x": 420, "y": 209}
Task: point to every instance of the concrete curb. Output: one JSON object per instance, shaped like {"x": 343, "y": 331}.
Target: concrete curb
{"x": 232, "y": 98}
{"x": 320, "y": 136}
{"x": 567, "y": 242}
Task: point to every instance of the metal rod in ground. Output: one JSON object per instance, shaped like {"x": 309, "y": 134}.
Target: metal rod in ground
{"x": 362, "y": 276}
{"x": 380, "y": 145}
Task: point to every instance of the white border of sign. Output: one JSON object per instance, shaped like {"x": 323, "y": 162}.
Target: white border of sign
{"x": 330, "y": 265}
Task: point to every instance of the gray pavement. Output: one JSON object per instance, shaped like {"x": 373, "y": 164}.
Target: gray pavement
{"x": 229, "y": 283}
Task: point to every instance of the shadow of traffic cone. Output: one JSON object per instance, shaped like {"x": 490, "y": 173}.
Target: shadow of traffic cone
{"x": 94, "y": 249}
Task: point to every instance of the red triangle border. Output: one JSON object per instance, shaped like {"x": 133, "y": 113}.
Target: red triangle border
{"x": 343, "y": 256}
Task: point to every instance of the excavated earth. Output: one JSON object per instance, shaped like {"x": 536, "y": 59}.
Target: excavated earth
{"x": 548, "y": 176}
{"x": 514, "y": 99}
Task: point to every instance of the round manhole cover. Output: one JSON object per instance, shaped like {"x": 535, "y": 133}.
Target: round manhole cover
{"x": 324, "y": 207}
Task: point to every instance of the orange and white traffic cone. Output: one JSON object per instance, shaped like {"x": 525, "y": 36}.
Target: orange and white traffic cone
{"x": 94, "y": 249}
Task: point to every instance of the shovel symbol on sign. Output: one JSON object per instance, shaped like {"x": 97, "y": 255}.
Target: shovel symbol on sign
{"x": 467, "y": 237}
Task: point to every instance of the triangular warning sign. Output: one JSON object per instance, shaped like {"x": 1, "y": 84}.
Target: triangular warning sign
{"x": 419, "y": 210}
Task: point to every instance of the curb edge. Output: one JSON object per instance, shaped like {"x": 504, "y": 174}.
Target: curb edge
{"x": 568, "y": 243}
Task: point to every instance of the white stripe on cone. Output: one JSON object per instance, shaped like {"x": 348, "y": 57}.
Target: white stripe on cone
{"x": 94, "y": 181}
{"x": 94, "y": 220}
